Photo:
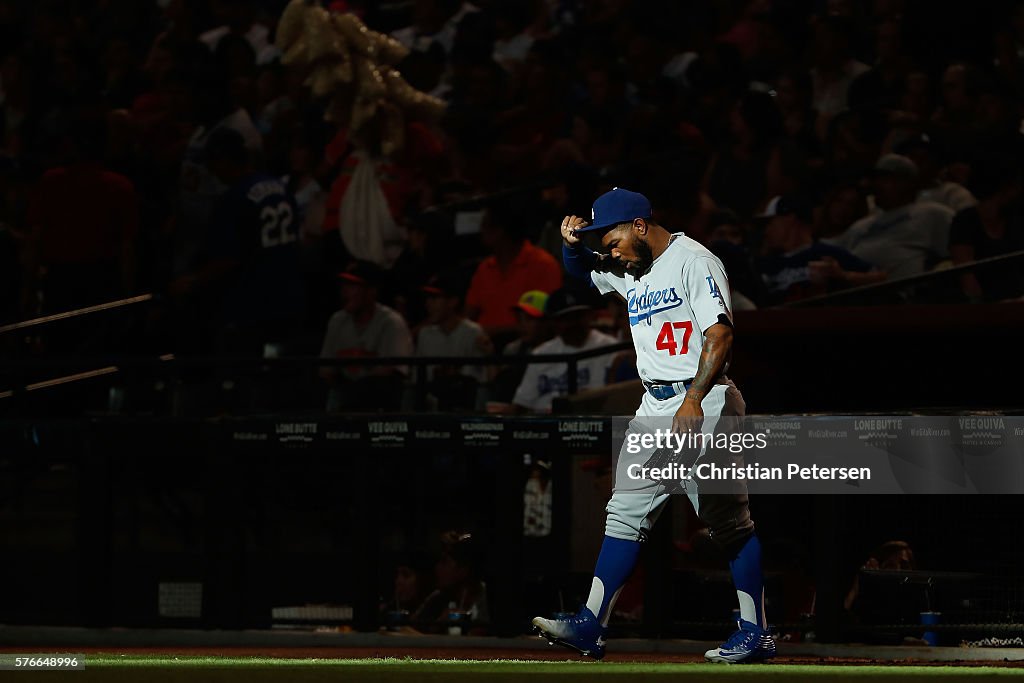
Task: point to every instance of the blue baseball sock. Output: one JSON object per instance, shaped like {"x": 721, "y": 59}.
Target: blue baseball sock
{"x": 614, "y": 565}
{"x": 749, "y": 581}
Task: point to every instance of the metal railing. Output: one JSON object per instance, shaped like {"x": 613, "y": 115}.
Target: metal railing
{"x": 886, "y": 290}
{"x": 30, "y": 375}
{"x": 76, "y": 313}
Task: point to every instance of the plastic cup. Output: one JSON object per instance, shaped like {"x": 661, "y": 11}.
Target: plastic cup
{"x": 457, "y": 623}
{"x": 930, "y": 619}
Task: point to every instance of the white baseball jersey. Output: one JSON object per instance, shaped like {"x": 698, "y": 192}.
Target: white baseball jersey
{"x": 542, "y": 382}
{"x": 671, "y": 306}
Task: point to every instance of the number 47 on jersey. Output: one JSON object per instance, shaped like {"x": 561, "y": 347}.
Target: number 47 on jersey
{"x": 667, "y": 338}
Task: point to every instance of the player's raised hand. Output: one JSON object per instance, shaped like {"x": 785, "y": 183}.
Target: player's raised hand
{"x": 570, "y": 224}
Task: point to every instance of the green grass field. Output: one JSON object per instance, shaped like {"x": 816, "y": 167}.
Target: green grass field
{"x": 159, "y": 668}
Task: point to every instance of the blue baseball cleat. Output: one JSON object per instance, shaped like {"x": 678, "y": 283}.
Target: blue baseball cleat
{"x": 750, "y": 643}
{"x": 582, "y": 633}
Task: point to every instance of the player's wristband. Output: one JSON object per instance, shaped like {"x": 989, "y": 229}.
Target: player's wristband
{"x": 579, "y": 260}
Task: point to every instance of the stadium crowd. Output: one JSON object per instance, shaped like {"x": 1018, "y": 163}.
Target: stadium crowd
{"x": 813, "y": 145}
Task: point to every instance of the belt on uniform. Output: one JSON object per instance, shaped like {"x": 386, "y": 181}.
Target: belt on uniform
{"x": 666, "y": 390}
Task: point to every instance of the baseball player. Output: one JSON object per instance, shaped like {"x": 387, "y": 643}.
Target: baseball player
{"x": 680, "y": 316}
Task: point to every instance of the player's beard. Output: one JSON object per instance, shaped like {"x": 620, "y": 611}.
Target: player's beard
{"x": 644, "y": 258}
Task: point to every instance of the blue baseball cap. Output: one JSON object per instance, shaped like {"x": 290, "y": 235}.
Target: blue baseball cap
{"x": 617, "y": 206}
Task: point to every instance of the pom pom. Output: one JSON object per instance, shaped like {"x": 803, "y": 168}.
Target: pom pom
{"x": 389, "y": 50}
{"x": 289, "y": 28}
{"x": 351, "y": 65}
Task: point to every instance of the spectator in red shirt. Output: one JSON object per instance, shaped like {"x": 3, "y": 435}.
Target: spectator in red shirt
{"x": 83, "y": 220}
{"x": 515, "y": 266}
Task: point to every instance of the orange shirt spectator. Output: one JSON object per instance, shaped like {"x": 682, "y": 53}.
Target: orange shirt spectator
{"x": 499, "y": 282}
